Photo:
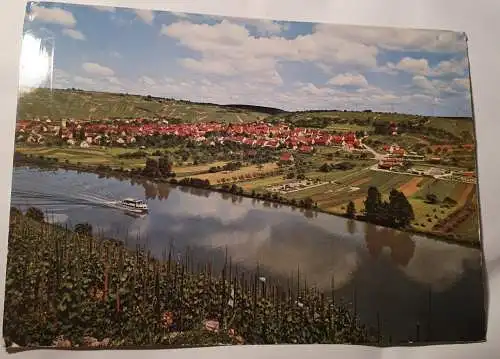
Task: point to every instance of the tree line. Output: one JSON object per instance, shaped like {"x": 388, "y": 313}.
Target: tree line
{"x": 397, "y": 212}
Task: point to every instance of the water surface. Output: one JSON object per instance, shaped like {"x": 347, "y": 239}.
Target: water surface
{"x": 402, "y": 279}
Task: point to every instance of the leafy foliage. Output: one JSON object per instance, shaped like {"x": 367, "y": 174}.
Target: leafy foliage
{"x": 36, "y": 214}
{"x": 72, "y": 289}
{"x": 398, "y": 212}
{"x": 351, "y": 210}
{"x": 84, "y": 229}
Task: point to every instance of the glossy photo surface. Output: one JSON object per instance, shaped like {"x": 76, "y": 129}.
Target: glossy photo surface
{"x": 187, "y": 180}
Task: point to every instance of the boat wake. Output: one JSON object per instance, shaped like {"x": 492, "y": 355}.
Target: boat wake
{"x": 61, "y": 201}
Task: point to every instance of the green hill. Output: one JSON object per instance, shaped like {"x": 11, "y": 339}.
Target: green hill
{"x": 58, "y": 104}
{"x": 78, "y": 104}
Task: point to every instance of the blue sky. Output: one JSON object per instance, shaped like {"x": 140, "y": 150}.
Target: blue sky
{"x": 289, "y": 65}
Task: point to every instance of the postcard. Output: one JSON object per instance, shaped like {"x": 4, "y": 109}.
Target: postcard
{"x": 187, "y": 180}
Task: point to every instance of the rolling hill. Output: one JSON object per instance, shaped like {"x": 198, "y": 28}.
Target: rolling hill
{"x": 70, "y": 103}
{"x": 58, "y": 104}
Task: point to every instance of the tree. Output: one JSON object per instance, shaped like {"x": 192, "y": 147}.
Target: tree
{"x": 36, "y": 214}
{"x": 308, "y": 203}
{"x": 81, "y": 134}
{"x": 324, "y": 167}
{"x": 351, "y": 210}
{"x": 432, "y": 198}
{"x": 84, "y": 229}
{"x": 400, "y": 210}
{"x": 373, "y": 203}
{"x": 165, "y": 164}
{"x": 152, "y": 167}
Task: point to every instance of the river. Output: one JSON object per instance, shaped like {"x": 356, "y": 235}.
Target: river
{"x": 396, "y": 279}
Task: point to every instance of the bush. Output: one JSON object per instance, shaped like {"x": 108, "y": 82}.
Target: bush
{"x": 84, "y": 229}
{"x": 14, "y": 212}
{"x": 36, "y": 214}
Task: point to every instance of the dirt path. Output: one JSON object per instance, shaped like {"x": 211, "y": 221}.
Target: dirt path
{"x": 239, "y": 118}
{"x": 411, "y": 187}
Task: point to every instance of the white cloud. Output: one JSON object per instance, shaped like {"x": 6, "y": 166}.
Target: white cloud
{"x": 105, "y": 8}
{"x": 230, "y": 64}
{"x": 424, "y": 83}
{"x": 61, "y": 78}
{"x": 439, "y": 88}
{"x": 96, "y": 69}
{"x": 53, "y": 15}
{"x": 180, "y": 14}
{"x": 421, "y": 67}
{"x": 116, "y": 54}
{"x": 147, "y": 80}
{"x": 461, "y": 83}
{"x": 349, "y": 79}
{"x": 228, "y": 49}
{"x": 262, "y": 26}
{"x": 398, "y": 39}
{"x": 414, "y": 66}
{"x": 229, "y": 40}
{"x": 113, "y": 80}
{"x": 458, "y": 67}
{"x": 84, "y": 80}
{"x": 75, "y": 34}
{"x": 147, "y": 16}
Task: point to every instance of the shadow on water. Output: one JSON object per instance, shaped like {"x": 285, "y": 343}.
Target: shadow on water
{"x": 400, "y": 244}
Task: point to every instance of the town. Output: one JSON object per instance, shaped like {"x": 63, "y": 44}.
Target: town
{"x": 119, "y": 133}
{"x": 125, "y": 133}
{"x": 321, "y": 160}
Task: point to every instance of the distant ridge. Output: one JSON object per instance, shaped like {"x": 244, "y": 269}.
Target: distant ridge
{"x": 76, "y": 103}
{"x": 261, "y": 109}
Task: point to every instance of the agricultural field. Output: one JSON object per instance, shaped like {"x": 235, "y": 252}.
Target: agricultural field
{"x": 86, "y": 156}
{"x": 58, "y": 104}
{"x": 355, "y": 188}
{"x": 239, "y": 175}
{"x": 410, "y": 142}
{"x": 195, "y": 170}
{"x": 451, "y": 197}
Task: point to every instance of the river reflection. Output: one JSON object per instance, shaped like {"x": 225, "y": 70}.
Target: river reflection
{"x": 391, "y": 272}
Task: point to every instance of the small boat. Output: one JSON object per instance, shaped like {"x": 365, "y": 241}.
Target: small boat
{"x": 134, "y": 205}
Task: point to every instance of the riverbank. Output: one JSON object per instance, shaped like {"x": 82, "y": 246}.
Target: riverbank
{"x": 68, "y": 290}
{"x": 307, "y": 205}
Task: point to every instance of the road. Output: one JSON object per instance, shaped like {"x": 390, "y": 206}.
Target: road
{"x": 378, "y": 156}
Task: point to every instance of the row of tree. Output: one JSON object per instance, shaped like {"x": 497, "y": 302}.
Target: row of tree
{"x": 158, "y": 168}
{"x": 343, "y": 166}
{"x": 397, "y": 212}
